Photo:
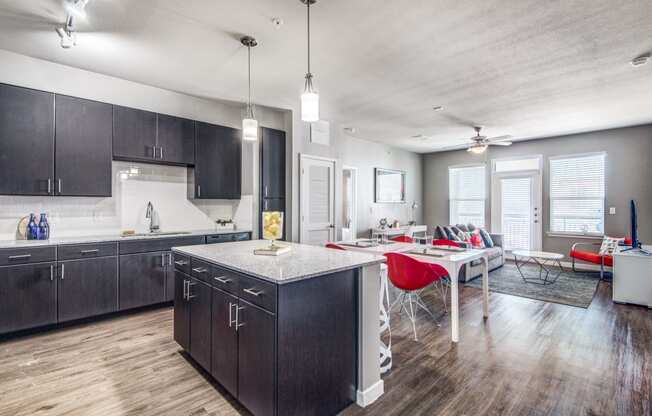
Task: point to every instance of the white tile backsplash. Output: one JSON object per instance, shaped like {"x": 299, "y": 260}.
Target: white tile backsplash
{"x": 134, "y": 184}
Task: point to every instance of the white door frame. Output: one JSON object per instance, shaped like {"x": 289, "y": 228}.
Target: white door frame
{"x": 354, "y": 200}
{"x": 537, "y": 201}
{"x": 303, "y": 192}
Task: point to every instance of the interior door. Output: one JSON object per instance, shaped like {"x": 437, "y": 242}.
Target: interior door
{"x": 317, "y": 200}
{"x": 517, "y": 198}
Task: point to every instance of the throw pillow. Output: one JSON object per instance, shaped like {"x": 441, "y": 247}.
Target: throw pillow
{"x": 609, "y": 245}
{"x": 470, "y": 227}
{"x": 477, "y": 241}
{"x": 450, "y": 234}
{"x": 463, "y": 227}
{"x": 440, "y": 233}
{"x": 486, "y": 238}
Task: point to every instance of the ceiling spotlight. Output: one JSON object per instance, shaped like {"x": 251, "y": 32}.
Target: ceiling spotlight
{"x": 76, "y": 7}
{"x": 438, "y": 108}
{"x": 67, "y": 34}
{"x": 640, "y": 60}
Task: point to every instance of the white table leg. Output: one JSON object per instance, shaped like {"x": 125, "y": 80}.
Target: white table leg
{"x": 455, "y": 304}
{"x": 485, "y": 286}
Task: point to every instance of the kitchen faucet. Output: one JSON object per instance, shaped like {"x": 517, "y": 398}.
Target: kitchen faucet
{"x": 153, "y": 221}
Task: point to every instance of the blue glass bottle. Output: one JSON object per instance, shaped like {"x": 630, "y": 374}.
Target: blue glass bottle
{"x": 32, "y": 228}
{"x": 43, "y": 228}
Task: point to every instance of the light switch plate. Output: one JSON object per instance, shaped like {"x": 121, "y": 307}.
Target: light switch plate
{"x": 612, "y": 210}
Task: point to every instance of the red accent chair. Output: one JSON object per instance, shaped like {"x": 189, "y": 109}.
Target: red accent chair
{"x": 591, "y": 256}
{"x": 334, "y": 246}
{"x": 411, "y": 276}
{"x": 403, "y": 239}
{"x": 450, "y": 243}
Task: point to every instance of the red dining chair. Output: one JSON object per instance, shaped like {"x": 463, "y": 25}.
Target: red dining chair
{"x": 334, "y": 246}
{"x": 403, "y": 239}
{"x": 411, "y": 276}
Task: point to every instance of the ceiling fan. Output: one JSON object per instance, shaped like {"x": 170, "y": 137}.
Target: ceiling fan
{"x": 480, "y": 143}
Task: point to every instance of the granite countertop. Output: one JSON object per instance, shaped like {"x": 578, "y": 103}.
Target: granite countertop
{"x": 302, "y": 262}
{"x": 111, "y": 237}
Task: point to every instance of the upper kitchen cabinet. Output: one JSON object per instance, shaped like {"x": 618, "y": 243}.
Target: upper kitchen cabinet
{"x": 26, "y": 141}
{"x": 272, "y": 161}
{"x": 134, "y": 134}
{"x": 218, "y": 163}
{"x": 83, "y": 147}
{"x": 176, "y": 140}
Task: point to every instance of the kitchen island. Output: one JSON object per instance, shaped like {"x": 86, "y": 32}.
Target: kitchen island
{"x": 289, "y": 335}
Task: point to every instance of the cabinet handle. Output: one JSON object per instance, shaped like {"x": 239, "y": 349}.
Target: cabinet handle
{"x": 59, "y": 185}
{"x": 49, "y": 186}
{"x": 266, "y": 191}
{"x": 237, "y": 317}
{"x": 180, "y": 262}
{"x": 222, "y": 279}
{"x": 63, "y": 271}
{"x": 185, "y": 289}
{"x": 170, "y": 259}
{"x": 251, "y": 291}
{"x": 199, "y": 191}
{"x": 189, "y": 295}
{"x": 95, "y": 251}
{"x": 161, "y": 151}
{"x": 20, "y": 257}
{"x": 200, "y": 270}
{"x": 265, "y": 205}
{"x": 230, "y": 314}
{"x": 51, "y": 272}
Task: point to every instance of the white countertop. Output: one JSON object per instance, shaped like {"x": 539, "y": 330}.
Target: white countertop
{"x": 110, "y": 237}
{"x": 302, "y": 262}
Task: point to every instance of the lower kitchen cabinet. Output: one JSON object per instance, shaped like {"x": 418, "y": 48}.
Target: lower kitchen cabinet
{"x": 256, "y": 359}
{"x": 169, "y": 276}
{"x": 28, "y": 295}
{"x": 192, "y": 318}
{"x": 224, "y": 361}
{"x": 87, "y": 288}
{"x": 181, "y": 311}
{"x": 142, "y": 279}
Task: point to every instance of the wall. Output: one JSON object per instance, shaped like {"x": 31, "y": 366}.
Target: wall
{"x": 628, "y": 175}
{"x": 364, "y": 155}
{"x": 71, "y": 213}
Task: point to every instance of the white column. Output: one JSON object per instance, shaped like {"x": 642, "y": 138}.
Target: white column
{"x": 455, "y": 302}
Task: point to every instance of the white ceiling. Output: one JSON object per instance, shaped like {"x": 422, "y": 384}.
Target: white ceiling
{"x": 528, "y": 68}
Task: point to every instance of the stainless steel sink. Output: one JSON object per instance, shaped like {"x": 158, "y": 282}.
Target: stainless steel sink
{"x": 157, "y": 234}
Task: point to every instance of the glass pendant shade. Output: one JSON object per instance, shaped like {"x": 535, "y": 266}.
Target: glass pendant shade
{"x": 250, "y": 129}
{"x": 477, "y": 149}
{"x": 310, "y": 106}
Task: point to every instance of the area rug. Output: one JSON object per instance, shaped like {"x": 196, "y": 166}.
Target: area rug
{"x": 574, "y": 289}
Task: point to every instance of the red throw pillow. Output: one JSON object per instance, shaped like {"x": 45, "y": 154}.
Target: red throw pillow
{"x": 476, "y": 241}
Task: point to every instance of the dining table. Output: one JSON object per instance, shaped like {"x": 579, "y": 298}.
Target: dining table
{"x": 450, "y": 258}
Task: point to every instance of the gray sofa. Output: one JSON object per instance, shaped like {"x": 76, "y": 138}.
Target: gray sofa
{"x": 496, "y": 259}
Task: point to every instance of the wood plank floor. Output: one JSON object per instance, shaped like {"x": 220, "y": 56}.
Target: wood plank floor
{"x": 529, "y": 358}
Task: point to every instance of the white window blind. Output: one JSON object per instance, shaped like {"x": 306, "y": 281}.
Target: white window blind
{"x": 466, "y": 187}
{"x": 577, "y": 194}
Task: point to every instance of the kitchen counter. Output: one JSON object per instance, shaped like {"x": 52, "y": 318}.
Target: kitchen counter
{"x": 302, "y": 262}
{"x": 111, "y": 237}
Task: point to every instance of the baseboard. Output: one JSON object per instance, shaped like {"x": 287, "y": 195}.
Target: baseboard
{"x": 365, "y": 398}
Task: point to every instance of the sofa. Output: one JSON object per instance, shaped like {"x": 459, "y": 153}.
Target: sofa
{"x": 495, "y": 254}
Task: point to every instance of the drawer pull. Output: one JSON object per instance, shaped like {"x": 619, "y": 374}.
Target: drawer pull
{"x": 95, "y": 251}
{"x": 222, "y": 279}
{"x": 251, "y": 291}
{"x": 200, "y": 270}
{"x": 20, "y": 257}
{"x": 181, "y": 263}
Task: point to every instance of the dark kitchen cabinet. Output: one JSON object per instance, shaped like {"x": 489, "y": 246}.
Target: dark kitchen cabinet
{"x": 83, "y": 147}
{"x": 26, "y": 141}
{"x": 169, "y": 276}
{"x": 200, "y": 297}
{"x": 272, "y": 161}
{"x": 256, "y": 359}
{"x": 142, "y": 279}
{"x": 175, "y": 140}
{"x": 87, "y": 288}
{"x": 134, "y": 134}
{"x": 224, "y": 361}
{"x": 218, "y": 163}
{"x": 181, "y": 311}
{"x": 28, "y": 296}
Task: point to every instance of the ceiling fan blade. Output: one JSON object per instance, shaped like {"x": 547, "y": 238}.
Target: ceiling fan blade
{"x": 505, "y": 143}
{"x": 500, "y": 138}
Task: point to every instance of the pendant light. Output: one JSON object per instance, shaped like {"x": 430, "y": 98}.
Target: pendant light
{"x": 309, "y": 98}
{"x": 249, "y": 123}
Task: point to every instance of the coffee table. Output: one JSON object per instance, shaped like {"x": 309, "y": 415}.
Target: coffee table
{"x": 544, "y": 260}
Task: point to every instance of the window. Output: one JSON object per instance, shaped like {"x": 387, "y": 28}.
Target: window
{"x": 577, "y": 194}
{"x": 516, "y": 165}
{"x": 466, "y": 187}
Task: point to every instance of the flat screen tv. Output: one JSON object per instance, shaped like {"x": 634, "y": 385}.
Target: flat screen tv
{"x": 634, "y": 234}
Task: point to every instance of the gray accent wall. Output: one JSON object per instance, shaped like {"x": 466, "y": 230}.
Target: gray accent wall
{"x": 628, "y": 175}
